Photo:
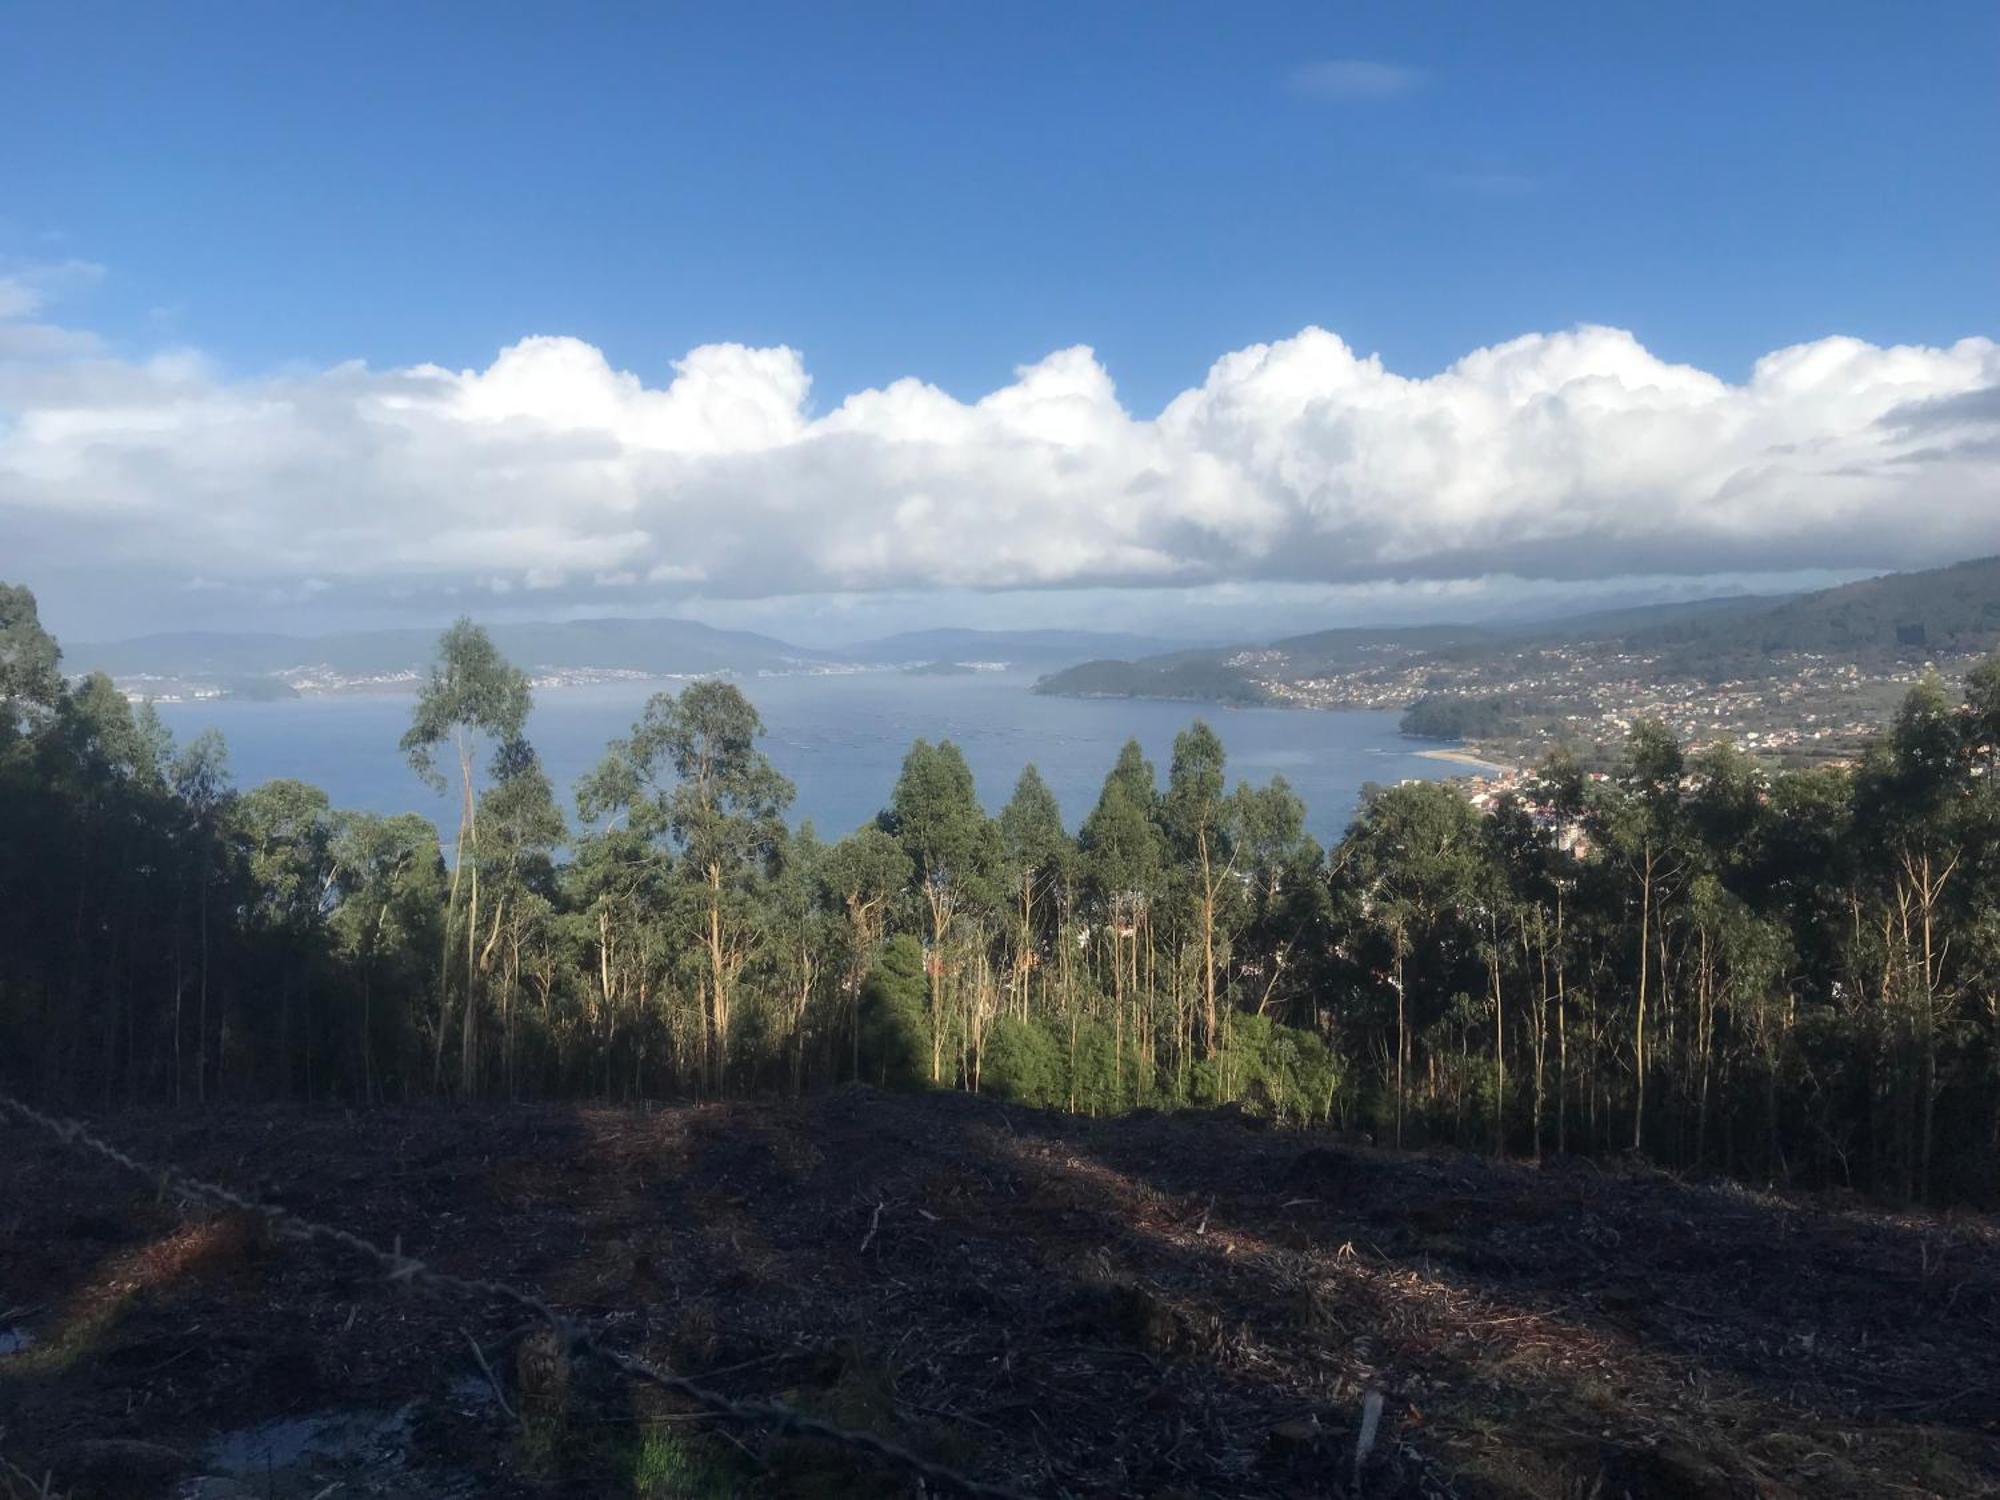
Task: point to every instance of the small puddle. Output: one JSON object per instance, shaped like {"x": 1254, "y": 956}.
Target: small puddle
{"x": 14, "y": 1340}
{"x": 471, "y": 1392}
{"x": 354, "y": 1452}
{"x": 329, "y": 1437}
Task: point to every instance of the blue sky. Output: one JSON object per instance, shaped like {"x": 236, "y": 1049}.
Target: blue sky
{"x": 956, "y": 190}
{"x": 952, "y": 192}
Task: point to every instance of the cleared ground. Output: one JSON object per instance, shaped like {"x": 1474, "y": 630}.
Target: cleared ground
{"x": 1148, "y": 1306}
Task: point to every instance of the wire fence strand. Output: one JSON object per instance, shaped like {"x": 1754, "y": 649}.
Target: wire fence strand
{"x": 572, "y": 1335}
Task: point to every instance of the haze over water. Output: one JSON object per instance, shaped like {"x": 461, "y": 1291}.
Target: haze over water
{"x": 841, "y": 740}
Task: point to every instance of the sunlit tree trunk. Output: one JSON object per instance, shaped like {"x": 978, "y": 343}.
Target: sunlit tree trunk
{"x": 1499, "y": 1042}
{"x": 451, "y": 910}
{"x": 1402, "y": 1034}
{"x": 1639, "y": 1014}
{"x": 719, "y": 996}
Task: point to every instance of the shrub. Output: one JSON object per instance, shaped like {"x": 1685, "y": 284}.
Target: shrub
{"x": 1023, "y": 1061}
{"x": 895, "y": 1031}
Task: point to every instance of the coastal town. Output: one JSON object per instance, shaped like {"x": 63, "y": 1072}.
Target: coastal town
{"x": 1798, "y": 708}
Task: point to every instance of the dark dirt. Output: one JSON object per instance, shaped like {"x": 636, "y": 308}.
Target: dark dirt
{"x": 1149, "y": 1306}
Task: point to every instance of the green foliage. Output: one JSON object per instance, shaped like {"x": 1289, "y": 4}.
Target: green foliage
{"x": 471, "y": 691}
{"x": 1896, "y": 615}
{"x": 1464, "y": 718}
{"x": 1120, "y": 840}
{"x": 934, "y": 814}
{"x": 1024, "y": 1062}
{"x": 1032, "y": 840}
{"x": 1102, "y": 1079}
{"x": 1279, "y": 1071}
{"x": 895, "y": 1046}
{"x": 671, "y": 1466}
{"x": 1783, "y": 975}
{"x": 867, "y": 867}
{"x": 1194, "y": 815}
{"x": 30, "y": 684}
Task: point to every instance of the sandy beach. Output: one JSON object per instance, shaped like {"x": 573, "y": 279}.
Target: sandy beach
{"x": 1467, "y": 759}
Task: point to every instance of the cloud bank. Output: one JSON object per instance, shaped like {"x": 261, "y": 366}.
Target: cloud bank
{"x": 1567, "y": 455}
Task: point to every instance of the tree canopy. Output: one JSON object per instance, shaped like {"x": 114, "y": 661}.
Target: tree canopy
{"x": 1787, "y": 975}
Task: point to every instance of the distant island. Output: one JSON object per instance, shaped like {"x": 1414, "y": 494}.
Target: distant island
{"x": 941, "y": 669}
{"x": 1192, "y": 676}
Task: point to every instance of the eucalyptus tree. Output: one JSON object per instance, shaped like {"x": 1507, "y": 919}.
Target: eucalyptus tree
{"x": 618, "y": 897}
{"x": 286, "y": 833}
{"x": 1645, "y": 830}
{"x": 806, "y": 940}
{"x": 934, "y": 814}
{"x": 1915, "y": 802}
{"x": 1518, "y": 889}
{"x": 474, "y": 700}
{"x": 391, "y": 881}
{"x": 1037, "y": 853}
{"x": 1287, "y": 900}
{"x": 33, "y": 823}
{"x": 103, "y": 762}
{"x": 864, "y": 873}
{"x": 30, "y": 680}
{"x": 1982, "y": 715}
{"x": 1124, "y": 859}
{"x": 523, "y": 829}
{"x": 1199, "y": 823}
{"x": 201, "y": 785}
{"x": 690, "y": 773}
{"x": 1410, "y": 869}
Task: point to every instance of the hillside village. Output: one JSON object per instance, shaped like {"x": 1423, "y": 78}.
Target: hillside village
{"x": 1807, "y": 708}
{"x": 1796, "y": 681}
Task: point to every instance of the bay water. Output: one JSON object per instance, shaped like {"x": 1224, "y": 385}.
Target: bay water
{"x": 841, "y": 740}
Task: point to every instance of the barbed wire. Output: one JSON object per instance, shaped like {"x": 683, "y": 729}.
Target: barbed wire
{"x": 571, "y": 1335}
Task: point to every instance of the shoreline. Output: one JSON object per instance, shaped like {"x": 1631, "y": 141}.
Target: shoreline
{"x": 1469, "y": 760}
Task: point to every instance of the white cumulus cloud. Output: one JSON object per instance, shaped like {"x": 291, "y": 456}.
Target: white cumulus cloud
{"x": 1577, "y": 454}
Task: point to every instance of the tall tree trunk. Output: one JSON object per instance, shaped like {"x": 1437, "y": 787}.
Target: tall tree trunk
{"x": 201, "y": 1015}
{"x": 939, "y": 897}
{"x": 1499, "y": 1045}
{"x": 1639, "y": 1015}
{"x": 469, "y": 1012}
{"x": 1402, "y": 1037}
{"x": 450, "y": 911}
{"x": 718, "y": 977}
{"x": 1562, "y": 1033}
{"x": 1704, "y": 1044}
{"x": 1207, "y": 944}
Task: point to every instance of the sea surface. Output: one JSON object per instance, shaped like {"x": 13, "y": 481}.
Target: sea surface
{"x": 841, "y": 739}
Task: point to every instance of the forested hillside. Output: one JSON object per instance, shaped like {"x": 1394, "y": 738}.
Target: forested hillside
{"x": 1942, "y": 610}
{"x": 1785, "y": 976}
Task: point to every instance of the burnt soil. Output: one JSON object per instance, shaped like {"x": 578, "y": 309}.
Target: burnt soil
{"x": 1150, "y": 1306}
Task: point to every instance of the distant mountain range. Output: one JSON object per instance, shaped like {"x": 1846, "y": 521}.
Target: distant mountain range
{"x": 1896, "y": 618}
{"x": 268, "y": 665}
{"x": 629, "y": 645}
{"x": 1900, "y": 617}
